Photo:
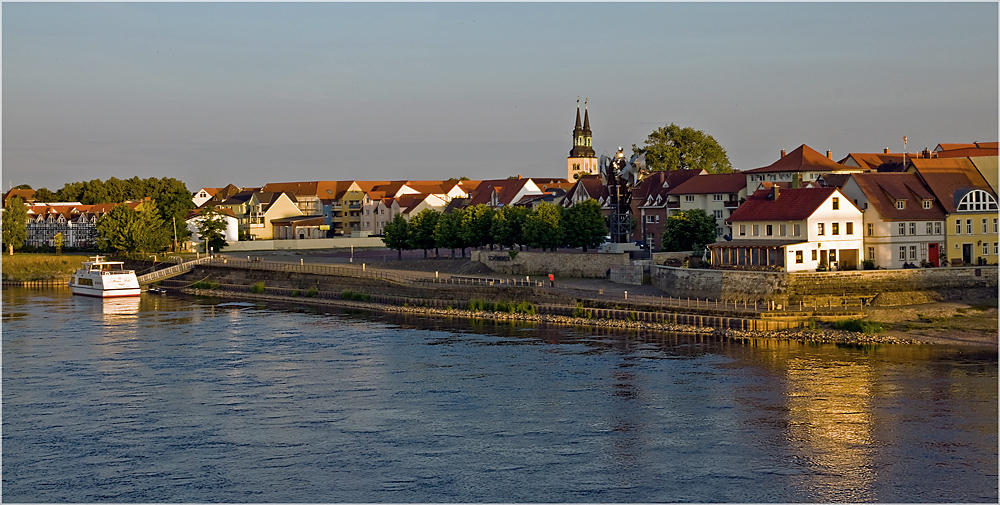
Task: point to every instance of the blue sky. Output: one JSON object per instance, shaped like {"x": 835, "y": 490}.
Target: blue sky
{"x": 249, "y": 93}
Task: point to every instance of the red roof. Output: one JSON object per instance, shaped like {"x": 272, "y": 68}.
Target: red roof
{"x": 793, "y": 204}
{"x": 884, "y": 189}
{"x": 711, "y": 183}
{"x": 802, "y": 159}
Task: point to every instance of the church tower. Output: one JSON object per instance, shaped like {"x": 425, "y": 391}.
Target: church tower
{"x": 582, "y": 160}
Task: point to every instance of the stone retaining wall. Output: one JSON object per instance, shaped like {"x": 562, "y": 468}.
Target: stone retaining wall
{"x": 738, "y": 285}
{"x": 594, "y": 265}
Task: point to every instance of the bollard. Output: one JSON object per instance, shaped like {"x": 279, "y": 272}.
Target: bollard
{"x": 362, "y": 267}
{"x": 435, "y": 274}
{"x": 626, "y": 295}
{"x": 302, "y": 261}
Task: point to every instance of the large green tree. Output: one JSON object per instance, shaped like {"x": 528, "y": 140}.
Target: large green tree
{"x": 477, "y": 222}
{"x": 15, "y": 224}
{"x": 397, "y": 235}
{"x": 584, "y": 225}
{"x": 543, "y": 227}
{"x": 508, "y": 225}
{"x": 672, "y": 147}
{"x": 422, "y": 230}
{"x": 448, "y": 233}
{"x": 212, "y": 229}
{"x": 132, "y": 232}
{"x": 688, "y": 230}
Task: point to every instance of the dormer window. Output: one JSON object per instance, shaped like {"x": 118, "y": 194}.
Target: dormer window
{"x": 927, "y": 203}
{"x": 900, "y": 204}
{"x": 977, "y": 199}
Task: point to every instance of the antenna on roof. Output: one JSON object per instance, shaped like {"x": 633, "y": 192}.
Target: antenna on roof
{"x": 904, "y": 152}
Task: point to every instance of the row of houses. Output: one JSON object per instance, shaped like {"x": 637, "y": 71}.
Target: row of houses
{"x": 74, "y": 222}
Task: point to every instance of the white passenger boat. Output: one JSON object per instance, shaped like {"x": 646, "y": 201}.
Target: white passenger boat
{"x": 104, "y": 279}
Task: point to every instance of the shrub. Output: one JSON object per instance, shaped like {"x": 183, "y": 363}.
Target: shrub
{"x": 868, "y": 264}
{"x": 860, "y": 326}
{"x": 296, "y": 293}
{"x": 357, "y": 297}
{"x": 205, "y": 284}
{"x": 633, "y": 316}
{"x": 312, "y": 292}
{"x": 257, "y": 287}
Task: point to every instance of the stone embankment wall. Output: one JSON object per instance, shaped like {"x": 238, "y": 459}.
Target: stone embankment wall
{"x": 302, "y": 244}
{"x": 594, "y": 265}
{"x": 740, "y": 285}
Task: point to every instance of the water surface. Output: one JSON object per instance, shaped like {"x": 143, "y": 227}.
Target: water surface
{"x": 164, "y": 399}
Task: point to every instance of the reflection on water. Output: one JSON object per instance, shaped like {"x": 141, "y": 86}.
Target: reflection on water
{"x": 161, "y": 398}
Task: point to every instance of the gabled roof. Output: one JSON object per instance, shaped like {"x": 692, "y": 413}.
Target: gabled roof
{"x": 663, "y": 182}
{"x": 711, "y": 183}
{"x": 197, "y": 212}
{"x": 802, "y": 159}
{"x": 505, "y": 189}
{"x": 966, "y": 150}
{"x": 793, "y": 204}
{"x": 297, "y": 189}
{"x": 28, "y": 195}
{"x": 884, "y": 189}
{"x": 950, "y": 179}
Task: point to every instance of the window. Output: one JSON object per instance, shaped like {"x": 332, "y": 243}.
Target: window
{"x": 871, "y": 229}
{"x": 930, "y": 228}
{"x": 927, "y": 204}
{"x": 833, "y": 255}
{"x": 850, "y": 228}
{"x": 996, "y": 229}
{"x": 649, "y": 219}
{"x": 902, "y": 253}
{"x": 958, "y": 227}
{"x": 814, "y": 255}
{"x": 836, "y": 203}
{"x": 986, "y": 248}
{"x": 996, "y": 248}
{"x": 797, "y": 230}
{"x": 902, "y": 228}
{"x": 657, "y": 218}
{"x": 913, "y": 228}
{"x": 819, "y": 229}
{"x": 782, "y": 230}
{"x": 913, "y": 252}
{"x": 756, "y": 230}
{"x": 798, "y": 256}
{"x": 717, "y": 198}
{"x": 688, "y": 198}
{"x": 871, "y": 253}
{"x": 968, "y": 226}
{"x": 985, "y": 227}
{"x": 977, "y": 199}
{"x": 835, "y": 229}
{"x": 743, "y": 229}
{"x": 937, "y": 228}
{"x": 900, "y": 204}
{"x": 769, "y": 230}
{"x": 718, "y": 214}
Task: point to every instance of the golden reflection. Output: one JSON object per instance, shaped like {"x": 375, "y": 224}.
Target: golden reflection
{"x": 120, "y": 309}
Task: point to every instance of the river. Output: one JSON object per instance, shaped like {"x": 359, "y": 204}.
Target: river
{"x": 171, "y": 399}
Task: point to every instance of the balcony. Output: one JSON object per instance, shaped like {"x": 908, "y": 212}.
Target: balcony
{"x": 731, "y": 204}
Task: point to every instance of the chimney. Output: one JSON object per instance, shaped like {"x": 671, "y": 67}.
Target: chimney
{"x": 886, "y": 151}
{"x": 774, "y": 192}
{"x": 926, "y": 153}
{"x": 829, "y": 154}
{"x": 782, "y": 153}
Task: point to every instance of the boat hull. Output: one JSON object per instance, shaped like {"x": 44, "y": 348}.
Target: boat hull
{"x": 104, "y": 293}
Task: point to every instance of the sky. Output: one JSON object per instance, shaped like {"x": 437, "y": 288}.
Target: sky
{"x": 250, "y": 93}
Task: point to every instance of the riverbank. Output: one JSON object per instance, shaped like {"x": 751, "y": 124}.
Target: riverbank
{"x": 803, "y": 335}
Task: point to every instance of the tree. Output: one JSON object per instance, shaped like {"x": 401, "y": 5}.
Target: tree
{"x": 476, "y": 224}
{"x": 422, "y": 230}
{"x": 543, "y": 227}
{"x": 396, "y": 235}
{"x": 132, "y": 232}
{"x": 448, "y": 232}
{"x": 584, "y": 225}
{"x": 508, "y": 225}
{"x": 58, "y": 241}
{"x": 212, "y": 229}
{"x": 43, "y": 195}
{"x": 674, "y": 148}
{"x": 23, "y": 186}
{"x": 688, "y": 231}
{"x": 15, "y": 224}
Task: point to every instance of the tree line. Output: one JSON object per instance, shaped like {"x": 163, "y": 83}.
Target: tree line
{"x": 547, "y": 226}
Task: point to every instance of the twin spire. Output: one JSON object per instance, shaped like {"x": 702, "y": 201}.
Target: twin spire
{"x": 581, "y": 134}
{"x": 586, "y": 118}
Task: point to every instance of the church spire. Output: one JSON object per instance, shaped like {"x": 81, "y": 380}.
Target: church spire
{"x": 586, "y": 118}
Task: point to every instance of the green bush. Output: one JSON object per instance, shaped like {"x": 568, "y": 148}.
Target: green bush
{"x": 868, "y": 264}
{"x": 357, "y": 297}
{"x": 312, "y": 292}
{"x": 296, "y": 293}
{"x": 205, "y": 285}
{"x": 258, "y": 287}
{"x": 860, "y": 326}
